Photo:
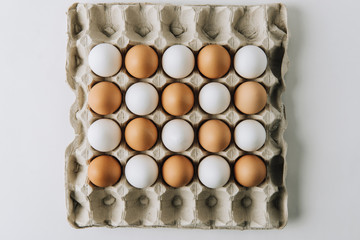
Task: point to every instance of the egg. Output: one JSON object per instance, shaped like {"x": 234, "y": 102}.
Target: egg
{"x": 250, "y": 97}
{"x": 105, "y": 60}
{"x": 213, "y": 61}
{"x": 177, "y": 171}
{"x": 250, "y": 62}
{"x": 141, "y": 171}
{"x": 104, "y": 171}
{"x": 141, "y": 134}
{"x": 214, "y": 135}
{"x": 177, "y": 135}
{"x": 141, "y": 61}
{"x": 249, "y": 171}
{"x": 104, "y": 98}
{"x": 104, "y": 135}
{"x": 177, "y": 99}
{"x": 178, "y": 61}
{"x": 214, "y": 171}
{"x": 214, "y": 98}
{"x": 250, "y": 135}
{"x": 141, "y": 98}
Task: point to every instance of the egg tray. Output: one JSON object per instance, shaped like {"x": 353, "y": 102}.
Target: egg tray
{"x": 193, "y": 206}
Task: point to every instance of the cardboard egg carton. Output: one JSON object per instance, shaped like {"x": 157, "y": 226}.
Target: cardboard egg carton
{"x": 193, "y": 206}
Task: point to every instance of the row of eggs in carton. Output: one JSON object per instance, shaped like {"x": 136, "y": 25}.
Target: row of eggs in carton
{"x": 178, "y": 61}
{"x": 142, "y": 171}
{"x": 177, "y": 99}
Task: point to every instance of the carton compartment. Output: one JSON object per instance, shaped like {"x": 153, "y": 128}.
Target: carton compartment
{"x": 142, "y": 207}
{"x": 178, "y": 207}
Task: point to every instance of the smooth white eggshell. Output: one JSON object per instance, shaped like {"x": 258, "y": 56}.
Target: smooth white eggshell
{"x": 214, "y": 171}
{"x": 105, "y": 60}
{"x": 177, "y": 135}
{"x": 104, "y": 135}
{"x": 141, "y": 171}
{"x": 250, "y": 62}
{"x": 178, "y": 61}
{"x": 141, "y": 98}
{"x": 250, "y": 135}
{"x": 214, "y": 98}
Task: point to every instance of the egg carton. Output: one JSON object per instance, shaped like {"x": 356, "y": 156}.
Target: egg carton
{"x": 193, "y": 206}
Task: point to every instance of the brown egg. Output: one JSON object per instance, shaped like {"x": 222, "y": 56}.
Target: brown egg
{"x": 214, "y": 135}
{"x": 104, "y": 171}
{"x": 250, "y": 97}
{"x": 213, "y": 61}
{"x": 177, "y": 99}
{"x": 141, "y": 134}
{"x": 249, "y": 170}
{"x": 141, "y": 61}
{"x": 104, "y": 98}
{"x": 177, "y": 171}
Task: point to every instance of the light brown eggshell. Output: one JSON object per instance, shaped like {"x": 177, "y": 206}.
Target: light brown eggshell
{"x": 250, "y": 97}
{"x": 177, "y": 171}
{"x": 249, "y": 171}
{"x": 214, "y": 135}
{"x": 104, "y": 171}
{"x": 213, "y": 61}
{"x": 141, "y": 61}
{"x": 104, "y": 98}
{"x": 177, "y": 99}
{"x": 141, "y": 134}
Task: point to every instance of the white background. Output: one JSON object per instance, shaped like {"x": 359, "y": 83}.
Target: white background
{"x": 322, "y": 101}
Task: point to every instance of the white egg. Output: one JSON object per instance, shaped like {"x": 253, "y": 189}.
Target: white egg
{"x": 104, "y": 135}
{"x": 105, "y": 60}
{"x": 250, "y": 135}
{"x": 141, "y": 98}
{"x": 250, "y": 62}
{"x": 214, "y": 171}
{"x": 141, "y": 171}
{"x": 177, "y": 135}
{"x": 214, "y": 98}
{"x": 178, "y": 61}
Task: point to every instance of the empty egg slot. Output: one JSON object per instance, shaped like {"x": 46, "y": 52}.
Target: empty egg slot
{"x": 106, "y": 22}
{"x": 249, "y": 23}
{"x": 176, "y": 28}
{"x": 276, "y": 208}
{"x": 77, "y": 21}
{"x": 214, "y": 207}
{"x": 74, "y": 59}
{"x": 177, "y": 207}
{"x": 276, "y": 130}
{"x": 75, "y": 171}
{"x": 249, "y": 207}
{"x": 277, "y": 21}
{"x": 81, "y": 215}
{"x": 212, "y": 24}
{"x": 138, "y": 27}
{"x": 276, "y": 170}
{"x": 177, "y": 23}
{"x": 100, "y": 211}
{"x": 142, "y": 207}
{"x": 80, "y": 96}
{"x": 275, "y": 61}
